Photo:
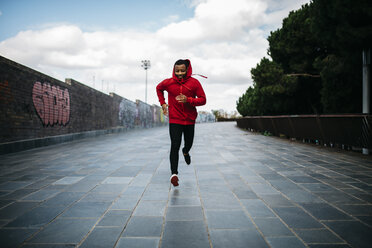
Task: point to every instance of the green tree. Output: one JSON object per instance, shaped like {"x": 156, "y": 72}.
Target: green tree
{"x": 248, "y": 103}
{"x": 316, "y": 61}
{"x": 293, "y": 46}
{"x": 295, "y": 49}
{"x": 345, "y": 29}
{"x": 272, "y": 91}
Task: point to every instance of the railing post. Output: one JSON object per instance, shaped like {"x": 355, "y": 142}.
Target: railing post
{"x": 366, "y": 56}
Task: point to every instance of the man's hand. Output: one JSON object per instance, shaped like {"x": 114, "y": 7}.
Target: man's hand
{"x": 165, "y": 109}
{"x": 181, "y": 98}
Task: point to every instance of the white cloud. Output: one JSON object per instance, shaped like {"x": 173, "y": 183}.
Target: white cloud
{"x": 223, "y": 40}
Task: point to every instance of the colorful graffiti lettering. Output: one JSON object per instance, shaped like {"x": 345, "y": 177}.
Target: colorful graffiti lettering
{"x": 52, "y": 104}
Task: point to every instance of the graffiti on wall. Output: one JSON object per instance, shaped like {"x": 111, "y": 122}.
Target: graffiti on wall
{"x": 52, "y": 104}
{"x": 145, "y": 116}
{"x": 127, "y": 113}
{"x": 6, "y": 95}
{"x": 139, "y": 114}
{"x": 205, "y": 117}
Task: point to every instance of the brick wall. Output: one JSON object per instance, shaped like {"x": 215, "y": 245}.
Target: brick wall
{"x": 34, "y": 105}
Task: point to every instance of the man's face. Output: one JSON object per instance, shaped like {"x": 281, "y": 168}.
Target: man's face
{"x": 180, "y": 71}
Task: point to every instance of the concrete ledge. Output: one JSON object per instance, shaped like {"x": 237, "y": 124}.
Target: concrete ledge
{"x": 23, "y": 145}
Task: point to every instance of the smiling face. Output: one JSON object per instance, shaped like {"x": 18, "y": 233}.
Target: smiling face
{"x": 180, "y": 71}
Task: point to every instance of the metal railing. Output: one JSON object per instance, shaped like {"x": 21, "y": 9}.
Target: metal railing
{"x": 348, "y": 129}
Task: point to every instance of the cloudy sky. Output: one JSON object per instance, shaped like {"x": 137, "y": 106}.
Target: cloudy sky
{"x": 101, "y": 43}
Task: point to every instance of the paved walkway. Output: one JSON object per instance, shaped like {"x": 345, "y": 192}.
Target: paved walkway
{"x": 241, "y": 190}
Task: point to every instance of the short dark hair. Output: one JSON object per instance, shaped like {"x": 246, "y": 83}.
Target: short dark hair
{"x": 185, "y": 62}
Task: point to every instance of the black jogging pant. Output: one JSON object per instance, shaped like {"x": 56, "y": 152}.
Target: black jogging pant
{"x": 175, "y": 132}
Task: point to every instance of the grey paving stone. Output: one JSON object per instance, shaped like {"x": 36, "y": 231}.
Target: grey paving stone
{"x": 271, "y": 176}
{"x": 68, "y": 180}
{"x": 150, "y": 208}
{"x": 99, "y": 197}
{"x": 318, "y": 236}
{"x": 184, "y": 213}
{"x": 366, "y": 219}
{"x": 70, "y": 231}
{"x": 37, "y": 217}
{"x": 18, "y": 194}
{"x": 13, "y": 185}
{"x": 117, "y": 180}
{"x": 144, "y": 177}
{"x": 261, "y": 189}
{"x": 324, "y": 211}
{"x": 102, "y": 237}
{"x": 134, "y": 191}
{"x": 272, "y": 227}
{"x": 86, "y": 209}
{"x": 355, "y": 233}
{"x": 115, "y": 218}
{"x": 365, "y": 197}
{"x": 285, "y": 175}
{"x": 303, "y": 179}
{"x": 185, "y": 234}
{"x": 285, "y": 242}
{"x": 317, "y": 187}
{"x": 3, "y": 222}
{"x": 252, "y": 179}
{"x": 82, "y": 186}
{"x": 41, "y": 195}
{"x": 155, "y": 195}
{"x": 357, "y": 210}
{"x": 212, "y": 190}
{"x": 339, "y": 198}
{"x": 284, "y": 186}
{"x": 32, "y": 177}
{"x": 245, "y": 194}
{"x": 63, "y": 199}
{"x": 127, "y": 242}
{"x": 257, "y": 208}
{"x": 184, "y": 192}
{"x": 329, "y": 246}
{"x": 302, "y": 196}
{"x": 16, "y": 209}
{"x": 125, "y": 203}
{"x": 237, "y": 238}
{"x": 228, "y": 220}
{"x": 3, "y": 193}
{"x": 276, "y": 200}
{"x": 127, "y": 171}
{"x": 189, "y": 201}
{"x": 11, "y": 238}
{"x": 109, "y": 188}
{"x": 144, "y": 226}
{"x": 49, "y": 245}
{"x": 296, "y": 218}
{"x": 220, "y": 202}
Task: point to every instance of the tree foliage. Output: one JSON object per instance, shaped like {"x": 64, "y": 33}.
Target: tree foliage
{"x": 316, "y": 61}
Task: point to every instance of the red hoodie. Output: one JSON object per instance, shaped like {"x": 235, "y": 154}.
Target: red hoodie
{"x": 182, "y": 113}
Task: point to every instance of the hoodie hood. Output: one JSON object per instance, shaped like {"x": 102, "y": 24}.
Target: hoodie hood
{"x": 188, "y": 73}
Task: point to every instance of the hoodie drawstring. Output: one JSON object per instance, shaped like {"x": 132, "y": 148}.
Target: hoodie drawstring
{"x": 199, "y": 75}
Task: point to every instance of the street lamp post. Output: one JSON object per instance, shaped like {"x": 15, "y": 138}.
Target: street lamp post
{"x": 146, "y": 65}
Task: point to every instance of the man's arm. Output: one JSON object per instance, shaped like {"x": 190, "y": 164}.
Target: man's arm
{"x": 160, "y": 92}
{"x": 200, "y": 97}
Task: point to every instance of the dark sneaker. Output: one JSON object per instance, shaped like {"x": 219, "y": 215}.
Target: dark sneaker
{"x": 174, "y": 180}
{"x": 187, "y": 157}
